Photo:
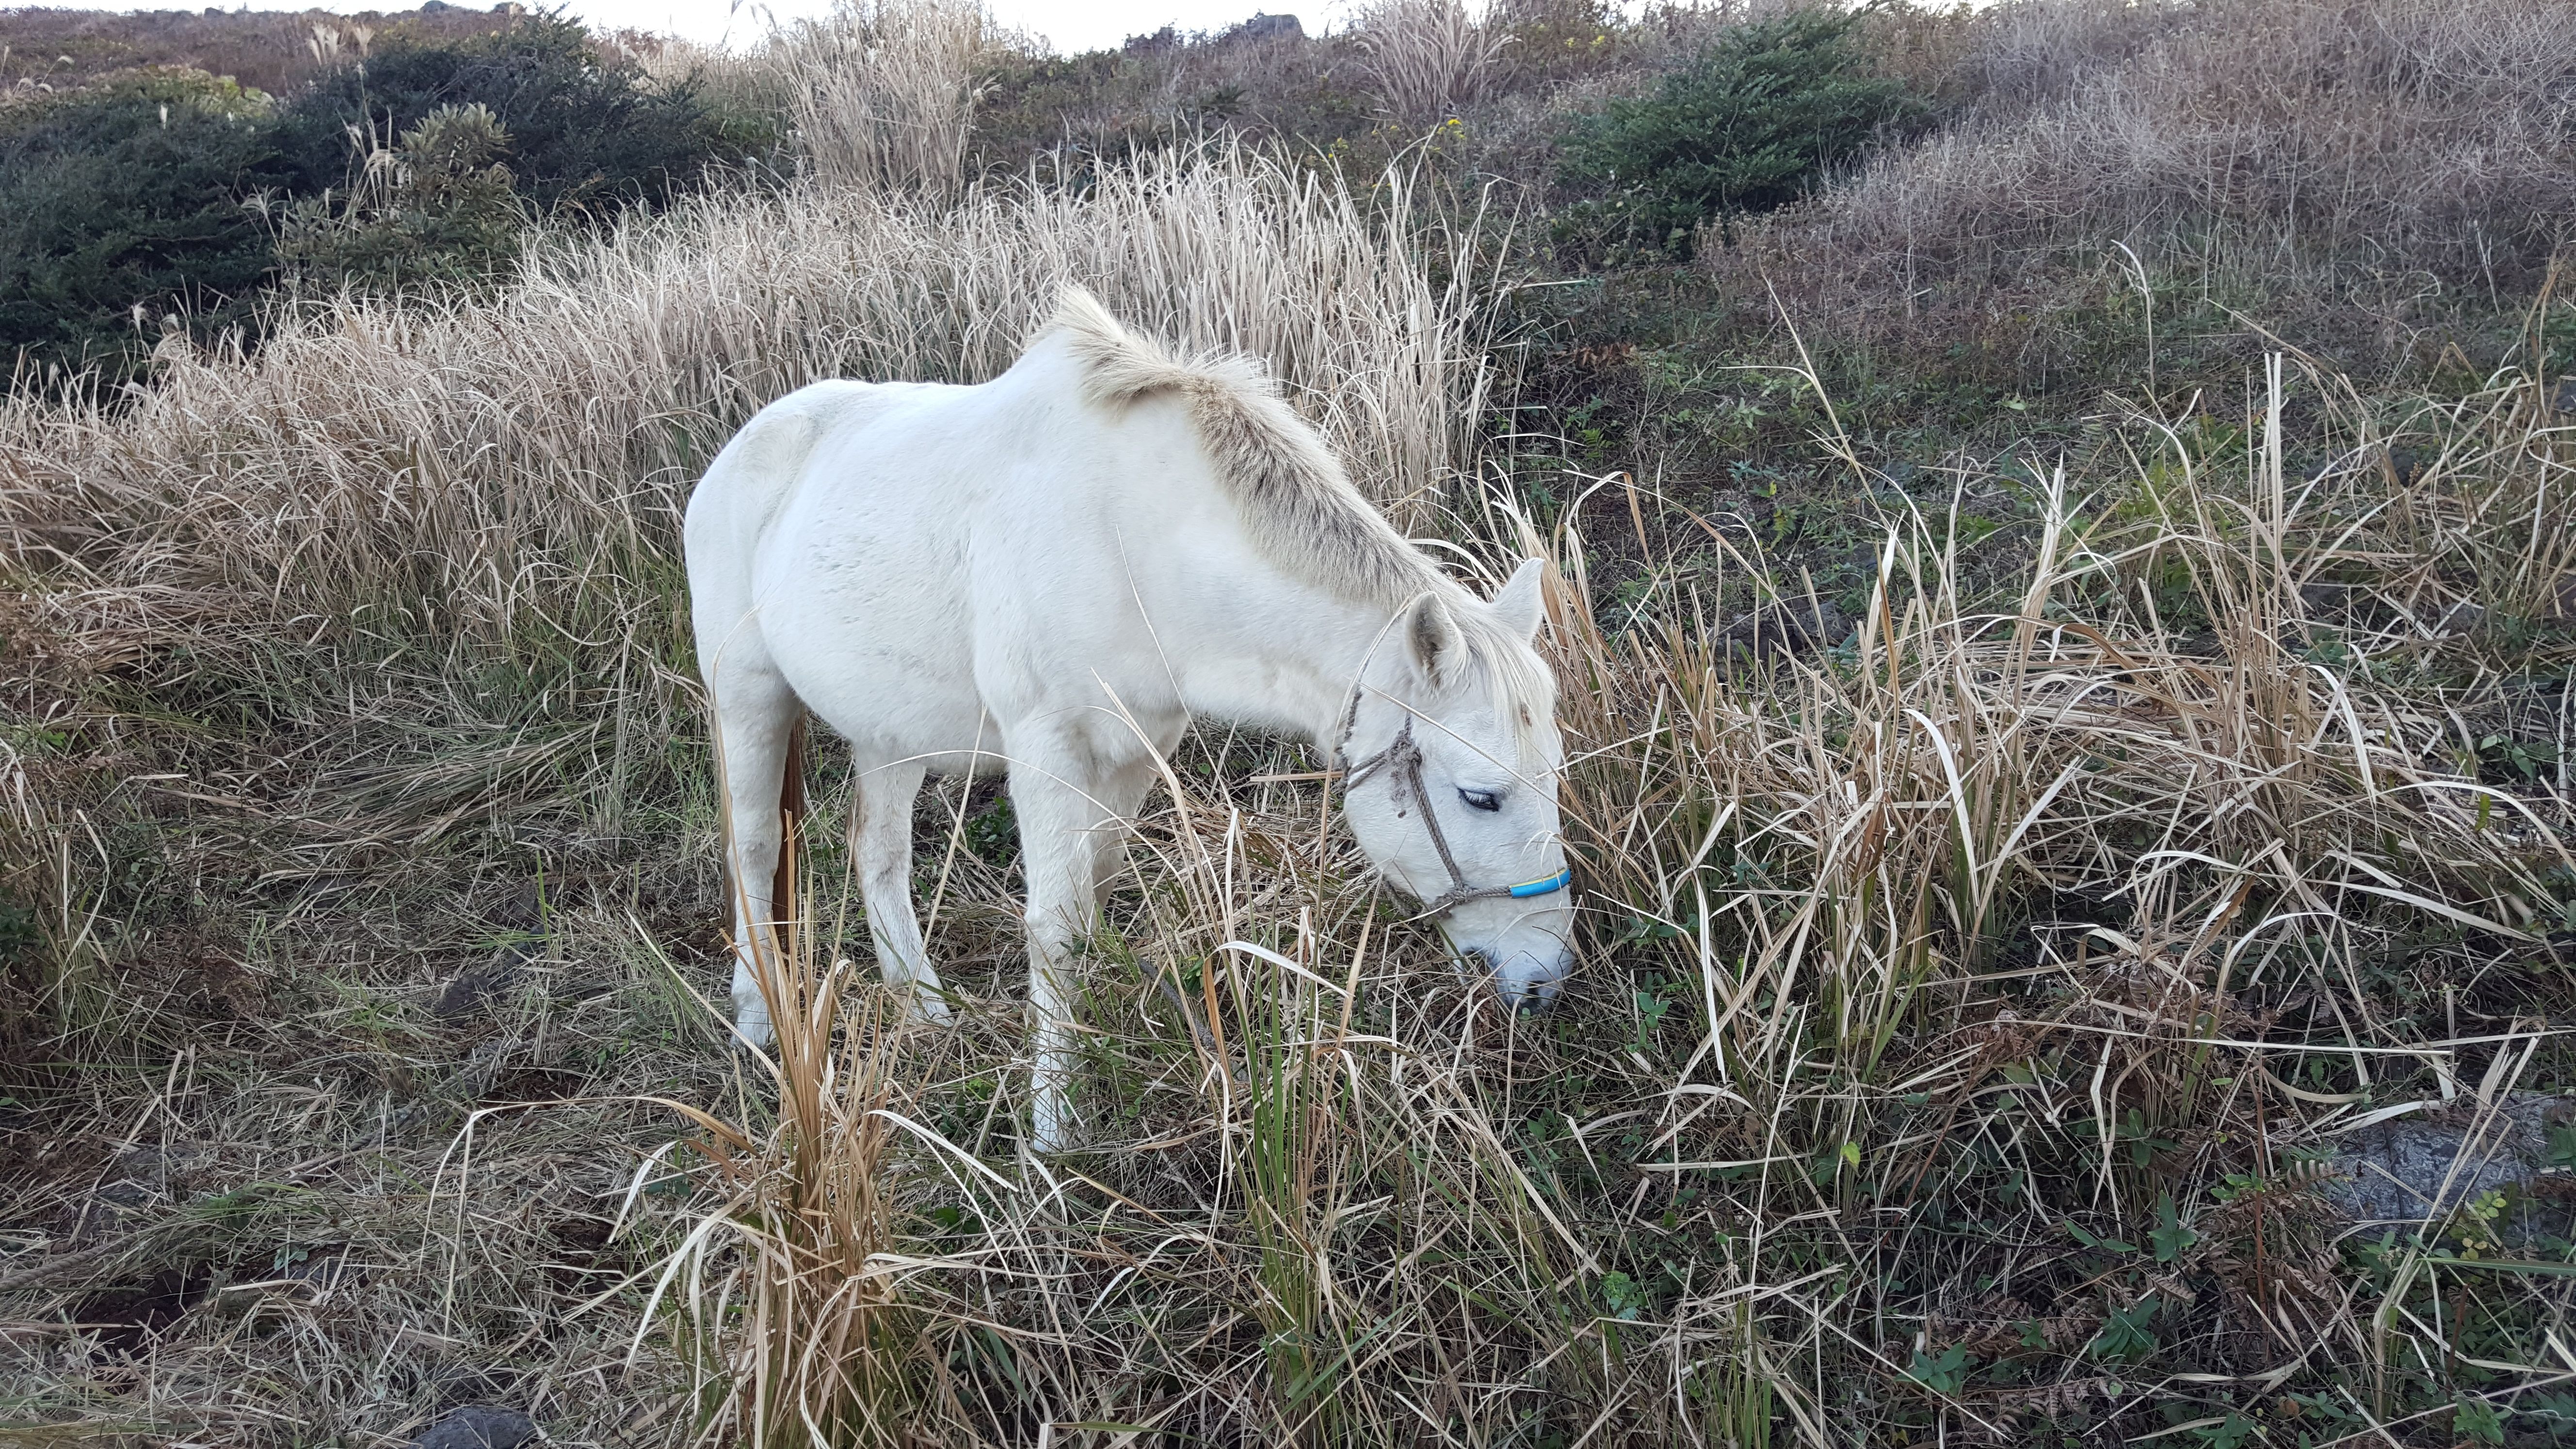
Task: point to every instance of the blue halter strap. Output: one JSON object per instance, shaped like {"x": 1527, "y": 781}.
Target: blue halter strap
{"x": 1547, "y": 887}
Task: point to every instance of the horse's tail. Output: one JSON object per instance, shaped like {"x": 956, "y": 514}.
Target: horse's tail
{"x": 791, "y": 816}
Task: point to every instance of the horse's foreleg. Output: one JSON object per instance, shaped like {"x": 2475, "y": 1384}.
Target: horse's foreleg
{"x": 881, "y": 846}
{"x": 755, "y": 719}
{"x": 1055, "y": 796}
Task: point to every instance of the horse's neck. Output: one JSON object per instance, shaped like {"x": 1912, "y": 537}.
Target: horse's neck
{"x": 1280, "y": 653}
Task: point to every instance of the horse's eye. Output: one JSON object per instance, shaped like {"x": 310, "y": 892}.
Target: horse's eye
{"x": 1481, "y": 799}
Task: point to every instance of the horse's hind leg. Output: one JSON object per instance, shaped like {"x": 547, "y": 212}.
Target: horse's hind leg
{"x": 1120, "y": 795}
{"x": 881, "y": 847}
{"x": 756, "y": 716}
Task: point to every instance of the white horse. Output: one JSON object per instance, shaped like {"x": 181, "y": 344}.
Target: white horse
{"x": 1053, "y": 573}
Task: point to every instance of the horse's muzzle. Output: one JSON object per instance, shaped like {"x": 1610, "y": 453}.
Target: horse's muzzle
{"x": 1524, "y": 981}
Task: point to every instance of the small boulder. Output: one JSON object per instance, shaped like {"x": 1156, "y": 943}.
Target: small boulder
{"x": 1271, "y": 27}
{"x": 478, "y": 1426}
{"x": 2461, "y": 618}
{"x": 2428, "y": 1164}
{"x": 1796, "y": 626}
{"x": 473, "y": 992}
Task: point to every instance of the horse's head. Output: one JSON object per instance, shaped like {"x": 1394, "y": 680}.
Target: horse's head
{"x": 1450, "y": 768}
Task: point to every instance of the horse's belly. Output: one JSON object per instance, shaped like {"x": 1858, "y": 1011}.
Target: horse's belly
{"x": 893, "y": 702}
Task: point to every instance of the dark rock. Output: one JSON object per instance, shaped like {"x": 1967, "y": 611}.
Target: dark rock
{"x": 461, "y": 1385}
{"x": 478, "y": 1426}
{"x": 473, "y": 991}
{"x": 2402, "y": 1170}
{"x": 1270, "y": 27}
{"x": 2461, "y": 618}
{"x": 127, "y": 1318}
{"x": 523, "y": 909}
{"x": 1798, "y": 626}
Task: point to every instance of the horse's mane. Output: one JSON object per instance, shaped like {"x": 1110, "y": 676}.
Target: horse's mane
{"x": 1297, "y": 503}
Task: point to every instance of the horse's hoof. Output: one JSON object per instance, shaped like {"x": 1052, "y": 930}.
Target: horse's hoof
{"x": 751, "y": 1029}
{"x": 1055, "y": 1132}
{"x": 930, "y": 1007}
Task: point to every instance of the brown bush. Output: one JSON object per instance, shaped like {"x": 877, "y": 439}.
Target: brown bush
{"x": 2377, "y": 153}
{"x": 274, "y": 51}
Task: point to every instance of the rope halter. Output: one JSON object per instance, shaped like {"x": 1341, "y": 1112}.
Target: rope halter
{"x": 1402, "y": 761}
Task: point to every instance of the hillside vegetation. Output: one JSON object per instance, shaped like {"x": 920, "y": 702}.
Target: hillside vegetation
{"x": 161, "y": 200}
{"x": 270, "y": 50}
{"x": 2065, "y": 603}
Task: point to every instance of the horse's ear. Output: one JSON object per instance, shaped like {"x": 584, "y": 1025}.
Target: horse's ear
{"x": 1518, "y": 603}
{"x": 1432, "y": 638}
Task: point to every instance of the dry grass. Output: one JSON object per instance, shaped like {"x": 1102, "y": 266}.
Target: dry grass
{"x": 1341, "y": 1199}
{"x": 2281, "y": 139}
{"x": 471, "y": 461}
{"x": 1960, "y": 1002}
{"x": 1426, "y": 58}
{"x": 882, "y": 91}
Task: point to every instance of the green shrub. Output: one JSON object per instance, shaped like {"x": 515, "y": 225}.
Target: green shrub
{"x": 439, "y": 207}
{"x": 1750, "y": 124}
{"x": 141, "y": 203}
{"x": 586, "y": 132}
{"x": 122, "y": 205}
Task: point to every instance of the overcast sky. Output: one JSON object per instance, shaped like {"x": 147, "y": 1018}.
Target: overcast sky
{"x": 1071, "y": 26}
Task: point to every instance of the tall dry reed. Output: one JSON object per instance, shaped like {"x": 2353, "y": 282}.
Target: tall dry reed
{"x": 882, "y": 92}
{"x": 472, "y": 460}
{"x": 1426, "y": 58}
{"x": 786, "y": 1280}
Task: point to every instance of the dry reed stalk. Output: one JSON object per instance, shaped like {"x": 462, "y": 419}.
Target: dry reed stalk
{"x": 1426, "y": 58}
{"x": 788, "y": 1273}
{"x": 882, "y": 92}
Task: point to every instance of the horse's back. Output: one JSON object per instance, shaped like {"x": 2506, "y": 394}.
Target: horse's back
{"x": 751, "y": 479}
{"x": 918, "y": 559}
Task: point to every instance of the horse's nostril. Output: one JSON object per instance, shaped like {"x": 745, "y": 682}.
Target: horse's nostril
{"x": 1530, "y": 1002}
